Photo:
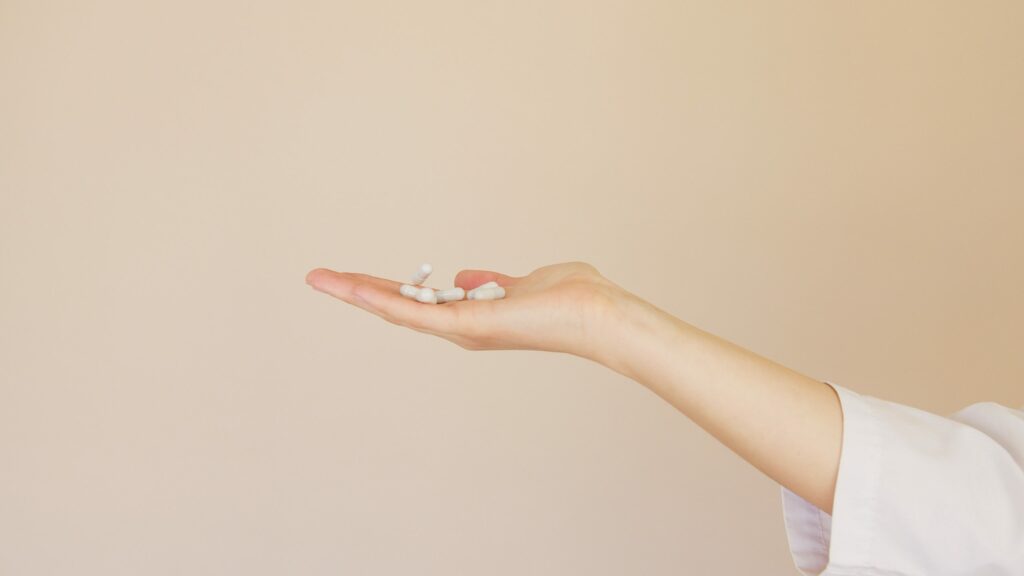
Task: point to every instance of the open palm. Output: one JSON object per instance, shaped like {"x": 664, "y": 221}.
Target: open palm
{"x": 560, "y": 308}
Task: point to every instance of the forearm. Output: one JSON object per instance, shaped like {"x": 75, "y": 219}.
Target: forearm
{"x": 786, "y": 424}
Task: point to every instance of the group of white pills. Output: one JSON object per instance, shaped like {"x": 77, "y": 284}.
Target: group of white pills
{"x": 416, "y": 291}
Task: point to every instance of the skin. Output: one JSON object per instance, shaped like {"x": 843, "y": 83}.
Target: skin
{"x": 787, "y": 425}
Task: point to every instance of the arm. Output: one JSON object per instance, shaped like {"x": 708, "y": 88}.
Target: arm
{"x": 785, "y": 424}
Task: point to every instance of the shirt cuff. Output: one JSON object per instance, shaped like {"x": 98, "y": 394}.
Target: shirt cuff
{"x": 810, "y": 530}
{"x": 951, "y": 500}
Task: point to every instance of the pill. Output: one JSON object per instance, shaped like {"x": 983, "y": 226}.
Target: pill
{"x": 408, "y": 290}
{"x": 489, "y": 293}
{"x": 450, "y": 295}
{"x": 491, "y": 284}
{"x": 426, "y": 295}
{"x": 422, "y": 273}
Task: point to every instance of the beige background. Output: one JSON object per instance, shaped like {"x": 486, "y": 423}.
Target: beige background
{"x": 834, "y": 186}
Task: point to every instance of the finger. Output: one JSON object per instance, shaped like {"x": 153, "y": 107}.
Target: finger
{"x": 341, "y": 284}
{"x": 381, "y": 297}
{"x": 469, "y": 279}
{"x": 337, "y": 284}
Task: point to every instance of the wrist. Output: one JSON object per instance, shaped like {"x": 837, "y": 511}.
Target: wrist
{"x": 632, "y": 330}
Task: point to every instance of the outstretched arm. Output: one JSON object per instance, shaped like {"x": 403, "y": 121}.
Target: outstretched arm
{"x": 785, "y": 424}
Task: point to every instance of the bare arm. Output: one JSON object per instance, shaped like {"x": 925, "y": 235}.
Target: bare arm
{"x": 785, "y": 424}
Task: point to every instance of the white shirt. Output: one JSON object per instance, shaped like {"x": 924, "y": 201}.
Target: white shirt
{"x": 917, "y": 494}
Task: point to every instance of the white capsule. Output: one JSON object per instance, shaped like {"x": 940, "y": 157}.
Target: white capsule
{"x": 489, "y": 293}
{"x": 426, "y": 295}
{"x": 408, "y": 290}
{"x": 422, "y": 273}
{"x": 450, "y": 295}
{"x": 491, "y": 284}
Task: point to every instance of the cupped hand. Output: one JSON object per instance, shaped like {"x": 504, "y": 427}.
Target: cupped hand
{"x": 567, "y": 307}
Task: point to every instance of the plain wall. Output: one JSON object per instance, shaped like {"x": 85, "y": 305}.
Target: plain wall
{"x": 836, "y": 186}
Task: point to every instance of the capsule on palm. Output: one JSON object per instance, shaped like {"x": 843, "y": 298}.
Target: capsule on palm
{"x": 450, "y": 295}
{"x": 489, "y": 293}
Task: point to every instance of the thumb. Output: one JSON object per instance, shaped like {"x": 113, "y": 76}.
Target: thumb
{"x": 469, "y": 279}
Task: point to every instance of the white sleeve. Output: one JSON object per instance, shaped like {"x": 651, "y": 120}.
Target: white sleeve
{"x": 917, "y": 494}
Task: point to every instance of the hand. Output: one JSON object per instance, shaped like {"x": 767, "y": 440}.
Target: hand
{"x": 566, "y": 307}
